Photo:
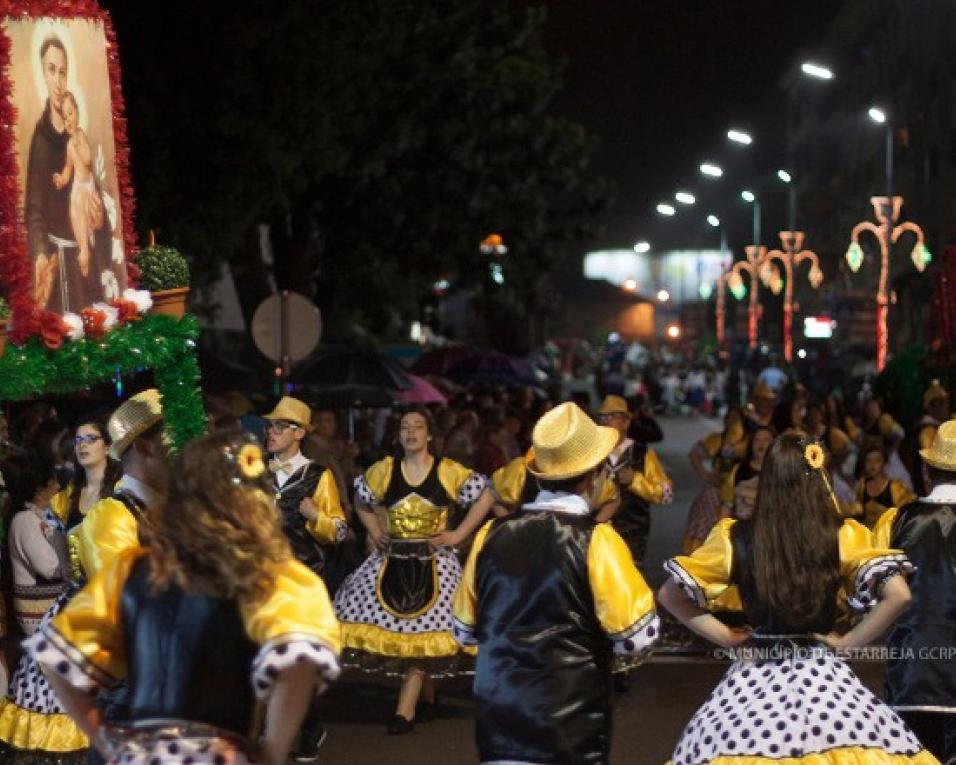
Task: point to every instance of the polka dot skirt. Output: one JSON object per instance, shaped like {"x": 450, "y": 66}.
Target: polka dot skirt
{"x": 168, "y": 748}
{"x": 302, "y": 650}
{"x": 357, "y": 601}
{"x": 808, "y": 703}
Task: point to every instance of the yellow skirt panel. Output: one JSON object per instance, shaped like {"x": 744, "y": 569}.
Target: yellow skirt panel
{"x": 854, "y": 755}
{"x": 34, "y": 731}
{"x": 372, "y": 639}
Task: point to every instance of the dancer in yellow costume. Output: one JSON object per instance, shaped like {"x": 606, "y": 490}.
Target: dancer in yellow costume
{"x": 788, "y": 697}
{"x": 395, "y": 608}
{"x": 33, "y": 725}
{"x": 216, "y": 612}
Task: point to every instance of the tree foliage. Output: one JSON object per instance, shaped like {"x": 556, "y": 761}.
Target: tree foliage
{"x": 380, "y": 140}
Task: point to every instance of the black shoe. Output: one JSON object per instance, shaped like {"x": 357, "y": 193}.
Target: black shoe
{"x": 399, "y": 726}
{"x": 425, "y": 711}
{"x": 309, "y": 743}
{"x": 622, "y": 682}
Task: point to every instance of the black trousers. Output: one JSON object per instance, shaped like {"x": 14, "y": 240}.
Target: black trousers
{"x": 936, "y": 732}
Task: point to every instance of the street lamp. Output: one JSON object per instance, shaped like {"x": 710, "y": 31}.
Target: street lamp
{"x": 642, "y": 247}
{"x": 788, "y": 257}
{"x": 492, "y": 244}
{"x": 816, "y": 70}
{"x": 786, "y": 178}
{"x": 739, "y": 136}
{"x": 713, "y": 220}
{"x": 887, "y": 213}
{"x": 748, "y": 196}
{"x": 877, "y": 115}
{"x": 756, "y": 255}
{"x": 710, "y": 169}
{"x": 685, "y": 198}
{"x": 665, "y": 209}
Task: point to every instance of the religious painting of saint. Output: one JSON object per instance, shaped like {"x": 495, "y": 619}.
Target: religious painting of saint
{"x": 66, "y": 156}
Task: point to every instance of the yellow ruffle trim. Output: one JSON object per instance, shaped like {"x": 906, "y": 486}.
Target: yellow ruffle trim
{"x": 34, "y": 731}
{"x": 372, "y": 639}
{"x": 850, "y": 755}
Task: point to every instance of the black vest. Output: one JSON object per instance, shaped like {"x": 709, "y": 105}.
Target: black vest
{"x": 188, "y": 656}
{"x": 920, "y": 671}
{"x": 542, "y": 682}
{"x": 301, "y": 484}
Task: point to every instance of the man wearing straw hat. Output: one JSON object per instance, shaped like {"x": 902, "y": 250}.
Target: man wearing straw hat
{"x": 920, "y": 679}
{"x": 639, "y": 476}
{"x": 312, "y": 515}
{"x": 551, "y": 598}
{"x": 935, "y": 411}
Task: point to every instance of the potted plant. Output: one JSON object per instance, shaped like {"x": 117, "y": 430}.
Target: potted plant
{"x": 4, "y": 315}
{"x": 165, "y": 273}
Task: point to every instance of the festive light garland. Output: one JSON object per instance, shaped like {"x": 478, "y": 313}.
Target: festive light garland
{"x": 15, "y": 263}
{"x": 161, "y": 343}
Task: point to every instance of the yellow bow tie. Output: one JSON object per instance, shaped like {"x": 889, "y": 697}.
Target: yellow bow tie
{"x": 275, "y": 466}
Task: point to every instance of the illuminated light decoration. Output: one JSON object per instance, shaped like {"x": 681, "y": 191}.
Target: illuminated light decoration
{"x": 642, "y": 247}
{"x": 665, "y": 209}
{"x": 748, "y": 196}
{"x": 790, "y": 255}
{"x": 685, "y": 198}
{"x": 816, "y": 70}
{"x": 705, "y": 290}
{"x": 497, "y": 274}
{"x": 921, "y": 256}
{"x": 713, "y": 220}
{"x": 673, "y": 332}
{"x": 492, "y": 244}
{"x": 739, "y": 136}
{"x": 854, "y": 256}
{"x": 802, "y": 353}
{"x": 709, "y": 168}
{"x": 887, "y": 231}
{"x": 663, "y": 296}
{"x": 441, "y": 285}
{"x": 736, "y": 284}
{"x": 768, "y": 273}
{"x": 630, "y": 285}
{"x": 784, "y": 176}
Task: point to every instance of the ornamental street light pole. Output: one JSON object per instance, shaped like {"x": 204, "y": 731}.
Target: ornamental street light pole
{"x": 792, "y": 254}
{"x": 887, "y": 231}
{"x": 756, "y": 253}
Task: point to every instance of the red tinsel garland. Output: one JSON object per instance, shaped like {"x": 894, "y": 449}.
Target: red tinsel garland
{"x": 15, "y": 262}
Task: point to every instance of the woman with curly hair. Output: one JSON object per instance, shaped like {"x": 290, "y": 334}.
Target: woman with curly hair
{"x": 216, "y": 612}
{"x": 788, "y": 696}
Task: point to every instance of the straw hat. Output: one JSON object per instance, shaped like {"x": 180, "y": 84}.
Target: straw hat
{"x": 614, "y": 405}
{"x": 133, "y": 418}
{"x": 292, "y": 410}
{"x": 762, "y": 390}
{"x": 933, "y": 392}
{"x": 567, "y": 443}
{"x": 942, "y": 453}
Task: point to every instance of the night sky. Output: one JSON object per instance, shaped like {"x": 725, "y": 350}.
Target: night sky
{"x": 659, "y": 83}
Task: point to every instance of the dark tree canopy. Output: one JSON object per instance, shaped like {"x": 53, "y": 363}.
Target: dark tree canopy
{"x": 380, "y": 140}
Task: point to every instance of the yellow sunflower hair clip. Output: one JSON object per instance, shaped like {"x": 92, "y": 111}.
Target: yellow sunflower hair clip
{"x": 248, "y": 459}
{"x": 813, "y": 454}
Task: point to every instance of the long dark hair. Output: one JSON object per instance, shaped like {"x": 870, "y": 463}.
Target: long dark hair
{"x": 796, "y": 560}
{"x": 112, "y": 473}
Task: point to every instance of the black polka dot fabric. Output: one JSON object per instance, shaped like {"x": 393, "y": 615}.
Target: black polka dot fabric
{"x": 869, "y": 579}
{"x": 363, "y": 493}
{"x": 276, "y": 656}
{"x": 639, "y": 637}
{"x": 471, "y": 489}
{"x": 357, "y": 601}
{"x": 805, "y": 704}
{"x": 165, "y": 748}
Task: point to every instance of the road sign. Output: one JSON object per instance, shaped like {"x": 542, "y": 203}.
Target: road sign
{"x": 286, "y": 328}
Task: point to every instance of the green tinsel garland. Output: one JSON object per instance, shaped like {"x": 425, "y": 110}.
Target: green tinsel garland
{"x": 161, "y": 343}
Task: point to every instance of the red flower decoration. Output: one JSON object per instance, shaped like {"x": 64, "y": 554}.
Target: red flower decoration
{"x": 52, "y": 329}
{"x": 94, "y": 323}
{"x": 126, "y": 311}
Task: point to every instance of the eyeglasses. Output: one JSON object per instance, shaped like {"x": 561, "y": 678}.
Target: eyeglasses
{"x": 281, "y": 426}
{"x": 92, "y": 438}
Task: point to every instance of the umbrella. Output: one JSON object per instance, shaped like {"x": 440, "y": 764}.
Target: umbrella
{"x": 438, "y": 360}
{"x": 492, "y": 368}
{"x": 422, "y": 392}
{"x": 347, "y": 396}
{"x": 220, "y": 375}
{"x": 340, "y": 366}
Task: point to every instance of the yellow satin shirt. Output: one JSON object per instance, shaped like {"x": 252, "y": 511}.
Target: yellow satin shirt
{"x": 91, "y": 624}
